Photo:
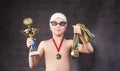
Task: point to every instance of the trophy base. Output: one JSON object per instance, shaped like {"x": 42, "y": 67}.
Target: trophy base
{"x": 34, "y": 53}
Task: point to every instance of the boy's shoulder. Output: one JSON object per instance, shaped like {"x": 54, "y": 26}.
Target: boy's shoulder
{"x": 44, "y": 43}
{"x": 48, "y": 41}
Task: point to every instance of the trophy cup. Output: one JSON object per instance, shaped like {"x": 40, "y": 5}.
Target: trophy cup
{"x": 30, "y": 32}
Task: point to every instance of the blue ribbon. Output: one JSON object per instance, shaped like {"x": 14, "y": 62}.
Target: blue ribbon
{"x": 75, "y": 41}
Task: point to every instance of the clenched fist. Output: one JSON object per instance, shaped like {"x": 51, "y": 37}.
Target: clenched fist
{"x": 30, "y": 41}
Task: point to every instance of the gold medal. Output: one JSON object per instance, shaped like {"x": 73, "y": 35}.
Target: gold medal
{"x": 58, "y": 56}
{"x": 75, "y": 52}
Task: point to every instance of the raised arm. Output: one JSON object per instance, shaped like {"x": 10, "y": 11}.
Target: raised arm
{"x": 34, "y": 59}
{"x": 86, "y": 47}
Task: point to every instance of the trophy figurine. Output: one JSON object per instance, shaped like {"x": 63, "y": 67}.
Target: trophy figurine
{"x": 30, "y": 32}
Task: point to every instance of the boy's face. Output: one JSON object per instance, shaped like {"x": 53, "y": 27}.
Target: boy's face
{"x": 58, "y": 26}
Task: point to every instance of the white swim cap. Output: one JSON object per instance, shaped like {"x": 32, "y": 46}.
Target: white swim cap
{"x": 58, "y": 14}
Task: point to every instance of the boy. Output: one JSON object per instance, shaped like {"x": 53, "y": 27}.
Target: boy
{"x": 57, "y": 49}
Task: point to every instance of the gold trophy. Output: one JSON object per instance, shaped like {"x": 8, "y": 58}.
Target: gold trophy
{"x": 30, "y": 32}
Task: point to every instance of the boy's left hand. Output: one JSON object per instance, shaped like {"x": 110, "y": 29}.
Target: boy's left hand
{"x": 77, "y": 30}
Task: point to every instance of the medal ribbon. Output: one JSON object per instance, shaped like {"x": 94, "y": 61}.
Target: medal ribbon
{"x": 87, "y": 35}
{"x": 58, "y": 48}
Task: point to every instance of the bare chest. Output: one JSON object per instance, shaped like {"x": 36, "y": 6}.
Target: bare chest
{"x": 52, "y": 50}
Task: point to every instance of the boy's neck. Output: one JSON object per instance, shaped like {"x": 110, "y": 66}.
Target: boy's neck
{"x": 58, "y": 38}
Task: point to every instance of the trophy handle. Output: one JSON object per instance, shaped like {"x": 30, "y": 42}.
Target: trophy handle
{"x": 33, "y": 50}
{"x": 32, "y": 46}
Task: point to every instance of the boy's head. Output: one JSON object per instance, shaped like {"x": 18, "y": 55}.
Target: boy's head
{"x": 58, "y": 23}
{"x": 58, "y": 15}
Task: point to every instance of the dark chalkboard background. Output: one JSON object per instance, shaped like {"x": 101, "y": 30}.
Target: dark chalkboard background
{"x": 102, "y": 17}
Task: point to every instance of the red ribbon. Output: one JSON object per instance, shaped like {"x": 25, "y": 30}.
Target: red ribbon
{"x": 58, "y": 48}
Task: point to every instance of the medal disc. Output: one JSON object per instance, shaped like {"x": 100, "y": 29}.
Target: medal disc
{"x": 58, "y": 56}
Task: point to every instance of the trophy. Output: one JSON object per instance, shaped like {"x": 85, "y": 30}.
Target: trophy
{"x": 30, "y": 32}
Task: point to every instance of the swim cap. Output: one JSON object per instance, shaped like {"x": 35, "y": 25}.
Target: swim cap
{"x": 58, "y": 14}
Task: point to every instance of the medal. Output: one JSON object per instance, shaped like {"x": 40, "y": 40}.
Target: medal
{"x": 75, "y": 52}
{"x": 58, "y": 56}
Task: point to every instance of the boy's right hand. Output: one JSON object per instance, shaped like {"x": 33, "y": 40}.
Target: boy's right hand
{"x": 29, "y": 42}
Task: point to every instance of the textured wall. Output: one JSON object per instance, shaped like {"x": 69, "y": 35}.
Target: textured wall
{"x": 100, "y": 16}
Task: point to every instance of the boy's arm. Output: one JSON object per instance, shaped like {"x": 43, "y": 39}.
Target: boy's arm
{"x": 86, "y": 47}
{"x": 34, "y": 60}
